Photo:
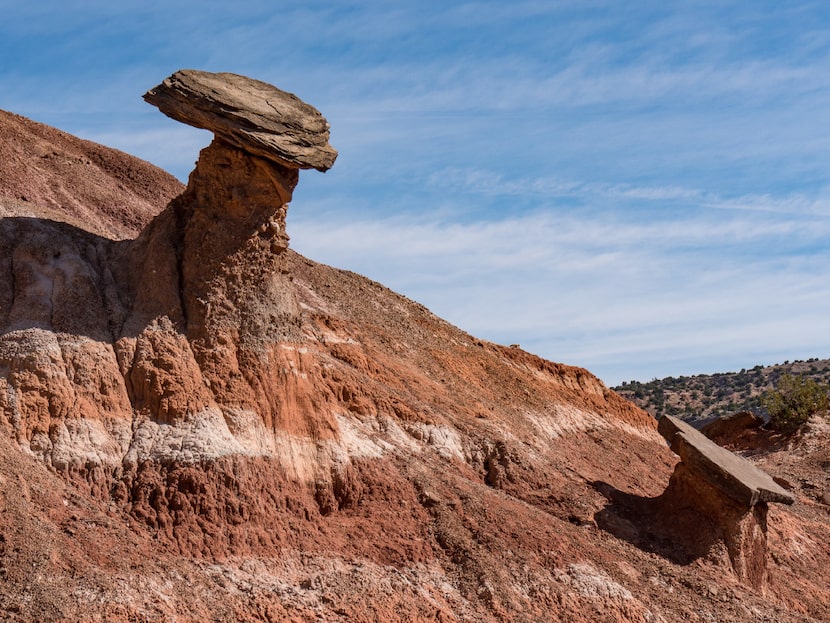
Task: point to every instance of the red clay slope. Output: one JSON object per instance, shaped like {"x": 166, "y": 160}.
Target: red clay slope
{"x": 52, "y": 174}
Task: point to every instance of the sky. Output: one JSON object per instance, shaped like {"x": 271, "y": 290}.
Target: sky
{"x": 639, "y": 188}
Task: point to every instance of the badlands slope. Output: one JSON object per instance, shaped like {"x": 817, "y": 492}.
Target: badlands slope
{"x": 233, "y": 432}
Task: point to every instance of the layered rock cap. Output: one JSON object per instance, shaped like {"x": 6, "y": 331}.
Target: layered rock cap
{"x": 250, "y": 114}
{"x": 732, "y": 474}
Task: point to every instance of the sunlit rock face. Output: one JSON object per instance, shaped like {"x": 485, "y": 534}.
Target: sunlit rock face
{"x": 254, "y": 116}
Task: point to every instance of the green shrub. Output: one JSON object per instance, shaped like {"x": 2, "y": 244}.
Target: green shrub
{"x": 793, "y": 401}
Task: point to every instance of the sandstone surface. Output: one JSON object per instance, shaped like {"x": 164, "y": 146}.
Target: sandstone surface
{"x": 250, "y": 114}
{"x": 199, "y": 424}
{"x": 732, "y": 474}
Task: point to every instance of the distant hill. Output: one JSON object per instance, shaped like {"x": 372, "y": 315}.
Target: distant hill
{"x": 49, "y": 174}
{"x": 710, "y": 395}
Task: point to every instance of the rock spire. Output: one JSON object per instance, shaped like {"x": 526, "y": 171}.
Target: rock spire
{"x": 222, "y": 241}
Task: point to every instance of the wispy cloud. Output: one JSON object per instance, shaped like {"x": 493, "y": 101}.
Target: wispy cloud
{"x": 494, "y": 184}
{"x": 587, "y": 291}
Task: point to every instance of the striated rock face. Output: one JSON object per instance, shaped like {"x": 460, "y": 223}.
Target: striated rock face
{"x": 252, "y": 115}
{"x": 198, "y": 423}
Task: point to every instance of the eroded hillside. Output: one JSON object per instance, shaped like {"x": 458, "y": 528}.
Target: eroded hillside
{"x": 199, "y": 424}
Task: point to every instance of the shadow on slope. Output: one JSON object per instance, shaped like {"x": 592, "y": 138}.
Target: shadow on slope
{"x": 58, "y": 277}
{"x": 681, "y": 535}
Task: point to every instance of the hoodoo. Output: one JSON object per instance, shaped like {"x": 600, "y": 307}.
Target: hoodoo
{"x": 183, "y": 344}
{"x": 225, "y": 235}
{"x": 727, "y": 493}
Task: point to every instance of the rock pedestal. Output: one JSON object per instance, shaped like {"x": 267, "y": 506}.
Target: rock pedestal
{"x": 728, "y": 493}
{"x": 231, "y": 219}
{"x": 719, "y": 518}
{"x": 227, "y": 231}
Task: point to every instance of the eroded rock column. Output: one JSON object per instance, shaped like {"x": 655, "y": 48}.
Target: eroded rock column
{"x": 726, "y": 495}
{"x": 742, "y": 529}
{"x": 213, "y": 263}
{"x": 234, "y": 286}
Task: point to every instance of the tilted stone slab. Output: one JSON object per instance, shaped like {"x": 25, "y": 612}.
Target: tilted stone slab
{"x": 732, "y": 474}
{"x": 255, "y": 116}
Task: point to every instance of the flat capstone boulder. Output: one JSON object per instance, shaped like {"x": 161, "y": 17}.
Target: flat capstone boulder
{"x": 250, "y": 114}
{"x": 732, "y": 474}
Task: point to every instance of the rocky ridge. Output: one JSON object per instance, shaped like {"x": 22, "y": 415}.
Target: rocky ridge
{"x": 704, "y": 396}
{"x": 201, "y": 416}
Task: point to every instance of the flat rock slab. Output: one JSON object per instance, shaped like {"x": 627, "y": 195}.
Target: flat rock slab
{"x": 255, "y": 116}
{"x": 732, "y": 474}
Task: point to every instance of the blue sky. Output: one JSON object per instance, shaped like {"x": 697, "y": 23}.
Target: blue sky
{"x": 639, "y": 188}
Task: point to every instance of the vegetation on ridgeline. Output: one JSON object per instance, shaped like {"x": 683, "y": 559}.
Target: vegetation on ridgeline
{"x": 794, "y": 400}
{"x": 714, "y": 395}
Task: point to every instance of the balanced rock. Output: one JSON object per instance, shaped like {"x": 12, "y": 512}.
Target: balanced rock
{"x": 724, "y": 496}
{"x": 252, "y": 115}
{"x": 222, "y": 242}
{"x": 732, "y": 474}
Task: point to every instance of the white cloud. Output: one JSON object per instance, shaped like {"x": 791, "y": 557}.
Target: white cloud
{"x": 613, "y": 296}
